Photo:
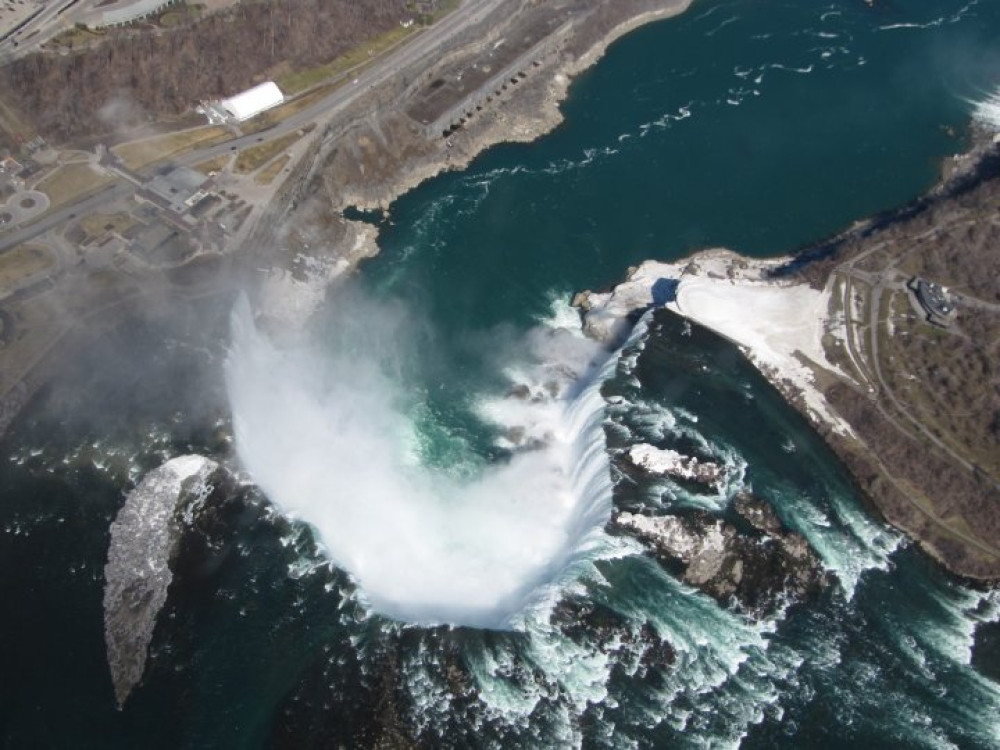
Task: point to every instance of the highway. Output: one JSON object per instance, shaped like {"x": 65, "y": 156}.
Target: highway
{"x": 394, "y": 63}
{"x": 45, "y": 25}
{"x": 66, "y": 213}
{"x": 403, "y": 58}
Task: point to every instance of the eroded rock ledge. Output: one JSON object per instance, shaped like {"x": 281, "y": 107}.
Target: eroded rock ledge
{"x": 755, "y": 572}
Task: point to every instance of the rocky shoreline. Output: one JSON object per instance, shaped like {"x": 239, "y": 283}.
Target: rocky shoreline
{"x": 757, "y": 571}
{"x": 794, "y": 338}
{"x": 377, "y": 154}
{"x": 380, "y": 159}
{"x": 527, "y": 115}
{"x": 144, "y": 537}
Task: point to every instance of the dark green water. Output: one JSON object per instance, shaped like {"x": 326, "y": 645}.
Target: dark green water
{"x": 671, "y": 144}
{"x": 762, "y": 168}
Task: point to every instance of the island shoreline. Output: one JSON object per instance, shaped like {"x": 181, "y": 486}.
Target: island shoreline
{"x": 778, "y": 354}
{"x": 537, "y": 112}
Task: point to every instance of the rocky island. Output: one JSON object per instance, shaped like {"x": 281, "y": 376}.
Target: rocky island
{"x": 665, "y": 462}
{"x": 756, "y": 570}
{"x": 849, "y": 335}
{"x": 144, "y": 537}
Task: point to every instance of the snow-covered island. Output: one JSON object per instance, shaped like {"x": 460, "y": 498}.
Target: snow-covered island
{"x": 144, "y": 537}
{"x": 666, "y": 462}
{"x": 779, "y": 324}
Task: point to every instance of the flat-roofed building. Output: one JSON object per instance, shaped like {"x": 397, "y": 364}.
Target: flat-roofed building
{"x": 9, "y": 166}
{"x": 934, "y": 299}
{"x": 176, "y": 190}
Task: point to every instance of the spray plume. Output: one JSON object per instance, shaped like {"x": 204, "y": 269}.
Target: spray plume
{"x": 326, "y": 436}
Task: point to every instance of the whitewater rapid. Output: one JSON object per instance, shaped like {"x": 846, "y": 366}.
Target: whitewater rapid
{"x": 329, "y": 436}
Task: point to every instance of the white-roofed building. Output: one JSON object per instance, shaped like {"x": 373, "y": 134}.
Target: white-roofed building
{"x": 251, "y": 102}
{"x": 125, "y": 12}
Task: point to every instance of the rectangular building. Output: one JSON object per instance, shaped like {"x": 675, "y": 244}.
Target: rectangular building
{"x": 252, "y": 102}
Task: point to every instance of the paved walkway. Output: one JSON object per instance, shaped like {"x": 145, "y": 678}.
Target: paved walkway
{"x": 23, "y": 206}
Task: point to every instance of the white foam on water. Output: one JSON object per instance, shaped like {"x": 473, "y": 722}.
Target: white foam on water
{"x": 718, "y": 652}
{"x": 325, "y": 437}
{"x": 960, "y": 611}
{"x": 849, "y": 544}
{"x": 561, "y": 315}
{"x": 933, "y": 23}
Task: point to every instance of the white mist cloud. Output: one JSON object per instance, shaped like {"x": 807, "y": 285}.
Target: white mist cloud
{"x": 121, "y": 113}
{"x": 987, "y": 111}
{"x": 325, "y": 437}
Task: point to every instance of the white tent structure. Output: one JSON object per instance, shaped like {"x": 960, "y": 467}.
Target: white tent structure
{"x": 252, "y": 101}
{"x": 125, "y": 12}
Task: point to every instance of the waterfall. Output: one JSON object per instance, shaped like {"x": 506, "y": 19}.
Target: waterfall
{"x": 324, "y": 435}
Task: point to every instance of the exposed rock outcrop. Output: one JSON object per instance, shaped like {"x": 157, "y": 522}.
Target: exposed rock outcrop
{"x": 137, "y": 575}
{"x": 755, "y": 571}
{"x": 664, "y": 462}
{"x": 637, "y": 647}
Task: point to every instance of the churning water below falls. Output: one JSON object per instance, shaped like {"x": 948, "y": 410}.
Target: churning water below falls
{"x": 419, "y": 552}
{"x": 331, "y": 438}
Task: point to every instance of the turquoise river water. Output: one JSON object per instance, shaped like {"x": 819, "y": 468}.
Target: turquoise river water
{"x": 452, "y": 610}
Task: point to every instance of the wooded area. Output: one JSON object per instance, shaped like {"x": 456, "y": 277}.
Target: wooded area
{"x": 135, "y": 77}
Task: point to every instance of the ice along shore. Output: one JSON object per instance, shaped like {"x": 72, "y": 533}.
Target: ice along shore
{"x": 903, "y": 398}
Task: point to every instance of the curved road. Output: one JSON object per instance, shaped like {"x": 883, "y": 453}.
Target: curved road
{"x": 876, "y": 379}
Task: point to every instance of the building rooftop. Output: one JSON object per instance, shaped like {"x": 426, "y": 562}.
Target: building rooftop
{"x": 177, "y": 189}
{"x": 934, "y": 298}
{"x": 253, "y": 101}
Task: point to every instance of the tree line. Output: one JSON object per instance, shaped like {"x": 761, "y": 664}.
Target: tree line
{"x": 133, "y": 77}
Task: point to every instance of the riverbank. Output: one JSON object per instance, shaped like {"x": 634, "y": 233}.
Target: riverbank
{"x": 811, "y": 356}
{"x": 371, "y": 178}
{"x": 377, "y": 153}
{"x": 777, "y": 323}
{"x": 373, "y": 153}
{"x": 906, "y": 403}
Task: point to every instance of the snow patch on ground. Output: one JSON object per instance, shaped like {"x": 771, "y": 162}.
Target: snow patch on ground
{"x": 666, "y": 462}
{"x": 289, "y": 298}
{"x": 777, "y": 323}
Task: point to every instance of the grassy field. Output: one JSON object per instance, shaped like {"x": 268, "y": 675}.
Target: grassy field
{"x": 23, "y": 261}
{"x": 139, "y": 154}
{"x": 38, "y": 328}
{"x": 96, "y": 225}
{"x": 11, "y": 122}
{"x": 177, "y": 15}
{"x": 273, "y": 116}
{"x": 445, "y": 7}
{"x": 75, "y": 37}
{"x": 293, "y": 83}
{"x": 266, "y": 176}
{"x": 256, "y": 156}
{"x": 213, "y": 165}
{"x": 70, "y": 182}
{"x": 835, "y": 348}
